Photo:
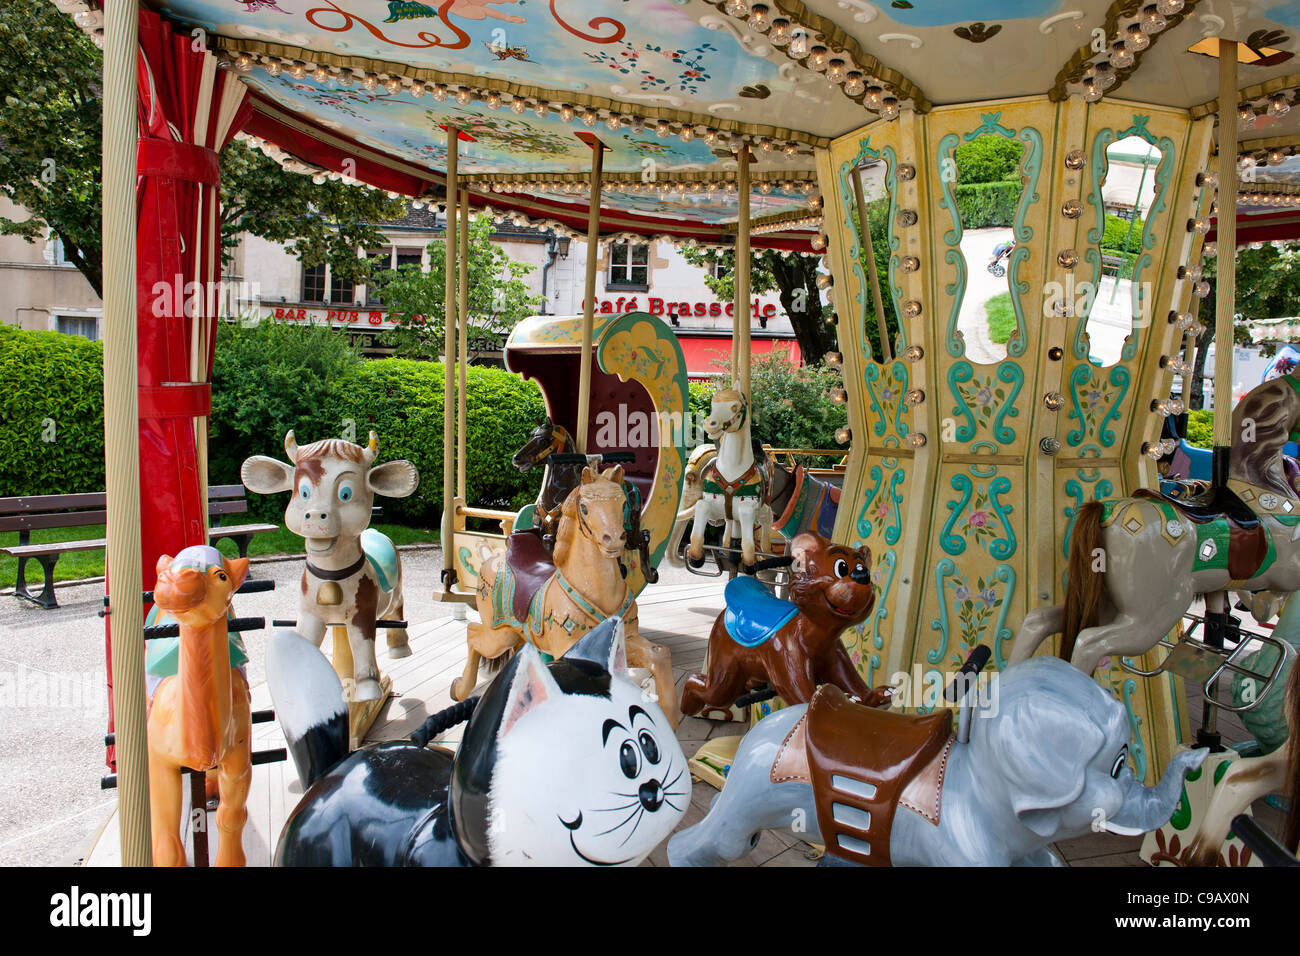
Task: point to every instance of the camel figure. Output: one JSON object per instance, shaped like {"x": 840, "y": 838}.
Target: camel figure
{"x": 199, "y": 719}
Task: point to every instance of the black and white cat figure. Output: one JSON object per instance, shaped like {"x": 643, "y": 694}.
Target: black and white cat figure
{"x": 562, "y": 764}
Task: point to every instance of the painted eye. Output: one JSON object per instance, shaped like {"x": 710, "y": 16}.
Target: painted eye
{"x": 649, "y": 746}
{"x": 1120, "y": 760}
{"x": 582, "y": 508}
{"x": 629, "y": 760}
{"x": 841, "y": 568}
{"x": 304, "y": 489}
{"x": 345, "y": 492}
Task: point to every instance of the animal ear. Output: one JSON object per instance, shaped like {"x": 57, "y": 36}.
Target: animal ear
{"x": 393, "y": 479}
{"x": 801, "y": 547}
{"x": 266, "y": 476}
{"x": 237, "y": 568}
{"x": 1042, "y": 755}
{"x": 604, "y": 645}
{"x": 615, "y": 474}
{"x": 164, "y": 562}
{"x": 531, "y": 687}
{"x": 587, "y": 476}
{"x": 291, "y": 446}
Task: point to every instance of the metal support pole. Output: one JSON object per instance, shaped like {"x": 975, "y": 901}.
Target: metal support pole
{"x": 589, "y": 295}
{"x": 448, "y": 363}
{"x": 1226, "y": 285}
{"x": 864, "y": 230}
{"x": 462, "y": 397}
{"x": 122, "y": 432}
{"x": 740, "y": 371}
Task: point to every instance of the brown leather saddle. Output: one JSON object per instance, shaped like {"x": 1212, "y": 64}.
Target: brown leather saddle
{"x": 1247, "y": 538}
{"x": 863, "y": 762}
{"x": 531, "y": 566}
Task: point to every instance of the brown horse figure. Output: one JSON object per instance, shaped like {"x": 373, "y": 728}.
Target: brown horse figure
{"x": 551, "y": 600}
{"x": 792, "y": 646}
{"x": 199, "y": 719}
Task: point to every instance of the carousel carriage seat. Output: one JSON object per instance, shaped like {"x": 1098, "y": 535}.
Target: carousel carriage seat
{"x": 863, "y": 762}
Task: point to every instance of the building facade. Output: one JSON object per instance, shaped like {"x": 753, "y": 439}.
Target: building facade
{"x": 44, "y": 291}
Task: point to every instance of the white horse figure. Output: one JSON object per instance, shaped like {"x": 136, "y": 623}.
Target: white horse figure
{"x": 734, "y": 487}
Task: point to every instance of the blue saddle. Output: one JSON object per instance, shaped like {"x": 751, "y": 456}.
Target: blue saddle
{"x": 753, "y": 614}
{"x": 382, "y": 555}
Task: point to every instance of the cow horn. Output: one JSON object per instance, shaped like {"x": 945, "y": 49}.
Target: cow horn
{"x": 291, "y": 446}
{"x": 372, "y": 449}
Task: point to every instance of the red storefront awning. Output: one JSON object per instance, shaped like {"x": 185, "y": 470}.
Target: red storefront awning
{"x": 701, "y": 352}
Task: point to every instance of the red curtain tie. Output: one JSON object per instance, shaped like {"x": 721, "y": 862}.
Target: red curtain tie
{"x": 176, "y": 400}
{"x": 172, "y": 160}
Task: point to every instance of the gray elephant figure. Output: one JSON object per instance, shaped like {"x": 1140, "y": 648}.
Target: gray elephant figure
{"x": 1046, "y": 760}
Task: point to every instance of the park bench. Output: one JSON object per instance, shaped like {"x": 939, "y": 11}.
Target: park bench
{"x": 29, "y": 513}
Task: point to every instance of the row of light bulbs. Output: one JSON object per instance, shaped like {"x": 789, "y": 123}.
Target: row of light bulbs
{"x": 1273, "y": 157}
{"x": 1124, "y": 48}
{"x": 660, "y": 187}
{"x": 464, "y": 95}
{"x": 1277, "y": 200}
{"x": 834, "y": 65}
{"x": 1279, "y": 104}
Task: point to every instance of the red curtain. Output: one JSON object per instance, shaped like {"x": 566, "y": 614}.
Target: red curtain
{"x": 189, "y": 110}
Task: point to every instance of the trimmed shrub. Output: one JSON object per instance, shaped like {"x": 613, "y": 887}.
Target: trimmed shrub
{"x": 989, "y": 159}
{"x": 1200, "y": 428}
{"x": 987, "y": 204}
{"x": 51, "y": 413}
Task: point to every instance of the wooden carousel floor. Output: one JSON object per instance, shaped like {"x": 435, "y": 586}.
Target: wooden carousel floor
{"x": 681, "y": 615}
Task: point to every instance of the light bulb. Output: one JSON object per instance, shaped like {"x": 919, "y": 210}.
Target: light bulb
{"x": 1137, "y": 41}
{"x": 836, "y": 71}
{"x": 1275, "y": 156}
{"x": 1091, "y": 91}
{"x": 686, "y": 133}
{"x": 589, "y": 117}
{"x": 737, "y": 8}
{"x": 1246, "y": 116}
{"x": 839, "y": 396}
{"x": 1278, "y": 106}
{"x": 819, "y": 58}
{"x": 854, "y": 85}
{"x": 914, "y": 353}
{"x": 663, "y": 129}
{"x": 916, "y": 439}
{"x": 889, "y": 108}
{"x": 913, "y": 396}
{"x": 875, "y": 96}
{"x": 439, "y": 93}
{"x": 370, "y": 82}
{"x": 1170, "y": 7}
{"x": 842, "y": 435}
{"x": 542, "y": 109}
{"x": 818, "y": 242}
{"x": 518, "y": 105}
{"x": 418, "y": 90}
{"x": 273, "y": 67}
{"x": 799, "y": 45}
{"x": 1121, "y": 57}
{"x": 790, "y": 149}
{"x": 322, "y": 75}
{"x": 759, "y": 17}
{"x": 492, "y": 100}
{"x": 780, "y": 32}
{"x": 1152, "y": 21}
{"x": 1054, "y": 401}
{"x": 464, "y": 97}
{"x": 393, "y": 84}
{"x": 298, "y": 70}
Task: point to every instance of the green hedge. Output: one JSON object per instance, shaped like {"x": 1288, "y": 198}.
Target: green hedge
{"x": 267, "y": 380}
{"x": 988, "y": 204}
{"x": 1200, "y": 428}
{"x": 51, "y": 413}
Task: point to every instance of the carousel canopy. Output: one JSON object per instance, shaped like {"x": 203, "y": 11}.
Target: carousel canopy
{"x": 673, "y": 87}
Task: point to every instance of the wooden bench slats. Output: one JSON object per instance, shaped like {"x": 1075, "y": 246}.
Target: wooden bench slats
{"x": 68, "y": 519}
{"x": 28, "y": 503}
{"x": 29, "y": 513}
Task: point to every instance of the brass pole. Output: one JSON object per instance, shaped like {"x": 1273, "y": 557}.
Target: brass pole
{"x": 122, "y": 432}
{"x": 589, "y": 295}
{"x": 1226, "y": 288}
{"x": 864, "y": 230}
{"x": 740, "y": 370}
{"x": 449, "y": 358}
{"x": 462, "y": 396}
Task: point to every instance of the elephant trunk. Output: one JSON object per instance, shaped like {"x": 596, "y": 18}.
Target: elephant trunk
{"x": 1146, "y": 808}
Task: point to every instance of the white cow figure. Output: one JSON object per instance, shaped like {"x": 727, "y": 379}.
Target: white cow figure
{"x": 734, "y": 488}
{"x": 353, "y": 576}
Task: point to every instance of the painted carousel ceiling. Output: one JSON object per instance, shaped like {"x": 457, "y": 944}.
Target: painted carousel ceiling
{"x": 667, "y": 84}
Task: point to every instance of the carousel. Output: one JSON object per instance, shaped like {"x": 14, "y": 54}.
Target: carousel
{"x": 1005, "y": 524}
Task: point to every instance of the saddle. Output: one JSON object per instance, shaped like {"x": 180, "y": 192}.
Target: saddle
{"x": 531, "y": 566}
{"x": 863, "y": 762}
{"x": 753, "y": 615}
{"x": 1248, "y": 544}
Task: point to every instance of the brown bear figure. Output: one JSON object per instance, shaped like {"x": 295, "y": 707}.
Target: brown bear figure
{"x": 793, "y": 646}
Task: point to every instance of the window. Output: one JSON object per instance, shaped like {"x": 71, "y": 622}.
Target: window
{"x": 629, "y": 267}
{"x": 341, "y": 291}
{"x": 380, "y": 260}
{"x": 719, "y": 269}
{"x": 313, "y": 283}
{"x": 87, "y": 326}
{"x": 410, "y": 257}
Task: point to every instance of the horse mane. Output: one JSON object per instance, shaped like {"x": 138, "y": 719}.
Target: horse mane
{"x": 567, "y": 527}
{"x": 1274, "y": 409}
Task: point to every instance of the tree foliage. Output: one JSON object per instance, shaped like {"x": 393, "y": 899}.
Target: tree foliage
{"x": 792, "y": 275}
{"x": 988, "y": 159}
{"x": 498, "y": 294}
{"x": 50, "y": 162}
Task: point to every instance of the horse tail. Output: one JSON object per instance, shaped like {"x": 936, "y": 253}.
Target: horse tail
{"x": 1083, "y": 584}
{"x": 1291, "y": 837}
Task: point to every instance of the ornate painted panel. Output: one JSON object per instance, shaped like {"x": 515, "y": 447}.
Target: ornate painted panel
{"x": 966, "y": 491}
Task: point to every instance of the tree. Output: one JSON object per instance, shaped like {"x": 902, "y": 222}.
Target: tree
{"x": 50, "y": 131}
{"x": 1268, "y": 287}
{"x": 793, "y": 275}
{"x": 498, "y": 295}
